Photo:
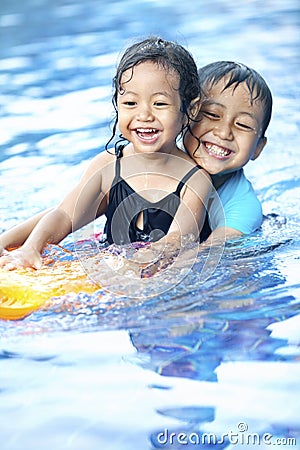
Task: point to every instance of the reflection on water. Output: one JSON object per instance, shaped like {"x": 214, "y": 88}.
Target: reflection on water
{"x": 112, "y": 372}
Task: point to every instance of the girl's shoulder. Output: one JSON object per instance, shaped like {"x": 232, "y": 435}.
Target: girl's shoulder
{"x": 100, "y": 161}
{"x": 101, "y": 165}
{"x": 104, "y": 157}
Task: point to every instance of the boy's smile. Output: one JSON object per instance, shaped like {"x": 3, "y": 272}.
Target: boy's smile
{"x": 229, "y": 129}
{"x": 216, "y": 151}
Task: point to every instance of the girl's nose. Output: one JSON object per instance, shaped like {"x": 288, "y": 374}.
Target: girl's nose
{"x": 144, "y": 113}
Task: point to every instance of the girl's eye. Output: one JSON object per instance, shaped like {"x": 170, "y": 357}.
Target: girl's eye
{"x": 160, "y": 104}
{"x": 129, "y": 103}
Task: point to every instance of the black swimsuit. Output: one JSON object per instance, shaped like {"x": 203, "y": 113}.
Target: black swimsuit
{"x": 125, "y": 205}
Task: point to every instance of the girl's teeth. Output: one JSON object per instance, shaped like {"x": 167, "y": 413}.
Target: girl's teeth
{"x": 146, "y": 133}
{"x": 147, "y": 130}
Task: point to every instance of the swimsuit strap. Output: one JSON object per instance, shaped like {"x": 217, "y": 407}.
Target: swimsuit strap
{"x": 119, "y": 154}
{"x": 185, "y": 179}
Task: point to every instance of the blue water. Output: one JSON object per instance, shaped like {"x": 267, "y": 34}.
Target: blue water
{"x": 220, "y": 357}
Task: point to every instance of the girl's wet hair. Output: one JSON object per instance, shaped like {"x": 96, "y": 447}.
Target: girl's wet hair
{"x": 169, "y": 55}
{"x": 235, "y": 74}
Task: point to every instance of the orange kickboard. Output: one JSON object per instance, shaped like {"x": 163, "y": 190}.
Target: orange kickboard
{"x": 23, "y": 291}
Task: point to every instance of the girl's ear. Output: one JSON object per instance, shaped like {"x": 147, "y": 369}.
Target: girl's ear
{"x": 260, "y": 146}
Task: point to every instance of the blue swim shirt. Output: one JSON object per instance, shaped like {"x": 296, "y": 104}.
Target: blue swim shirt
{"x": 241, "y": 208}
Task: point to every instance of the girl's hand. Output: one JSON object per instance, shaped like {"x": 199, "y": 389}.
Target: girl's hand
{"x": 20, "y": 257}
{"x": 156, "y": 257}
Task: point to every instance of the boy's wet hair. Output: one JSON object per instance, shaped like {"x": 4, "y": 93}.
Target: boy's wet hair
{"x": 169, "y": 55}
{"x": 235, "y": 74}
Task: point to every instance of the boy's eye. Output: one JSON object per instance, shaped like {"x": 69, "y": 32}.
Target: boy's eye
{"x": 210, "y": 115}
{"x": 244, "y": 126}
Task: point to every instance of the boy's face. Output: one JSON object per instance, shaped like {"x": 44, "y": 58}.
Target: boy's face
{"x": 229, "y": 130}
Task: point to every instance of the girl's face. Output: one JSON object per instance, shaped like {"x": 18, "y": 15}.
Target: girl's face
{"x": 149, "y": 108}
{"x": 229, "y": 130}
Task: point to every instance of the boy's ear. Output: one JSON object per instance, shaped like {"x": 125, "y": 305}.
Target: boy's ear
{"x": 194, "y": 107}
{"x": 260, "y": 146}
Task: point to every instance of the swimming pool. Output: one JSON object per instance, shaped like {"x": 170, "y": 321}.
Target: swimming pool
{"x": 220, "y": 357}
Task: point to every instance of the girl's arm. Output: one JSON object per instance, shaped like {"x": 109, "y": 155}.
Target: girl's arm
{"x": 51, "y": 228}
{"x": 17, "y": 235}
{"x": 220, "y": 235}
{"x": 83, "y": 204}
{"x": 190, "y": 215}
{"x": 186, "y": 226}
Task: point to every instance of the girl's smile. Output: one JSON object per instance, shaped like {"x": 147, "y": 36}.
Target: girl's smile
{"x": 149, "y": 108}
{"x": 148, "y": 135}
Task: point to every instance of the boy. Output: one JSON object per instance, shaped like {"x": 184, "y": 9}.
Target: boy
{"x": 231, "y": 126}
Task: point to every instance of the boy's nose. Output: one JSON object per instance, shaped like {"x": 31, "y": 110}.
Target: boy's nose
{"x": 223, "y": 130}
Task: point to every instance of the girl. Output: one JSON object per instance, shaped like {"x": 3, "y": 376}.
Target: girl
{"x": 148, "y": 188}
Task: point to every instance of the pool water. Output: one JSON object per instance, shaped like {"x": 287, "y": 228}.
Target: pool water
{"x": 220, "y": 357}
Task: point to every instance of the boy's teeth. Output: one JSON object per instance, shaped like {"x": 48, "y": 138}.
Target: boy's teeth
{"x": 219, "y": 151}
